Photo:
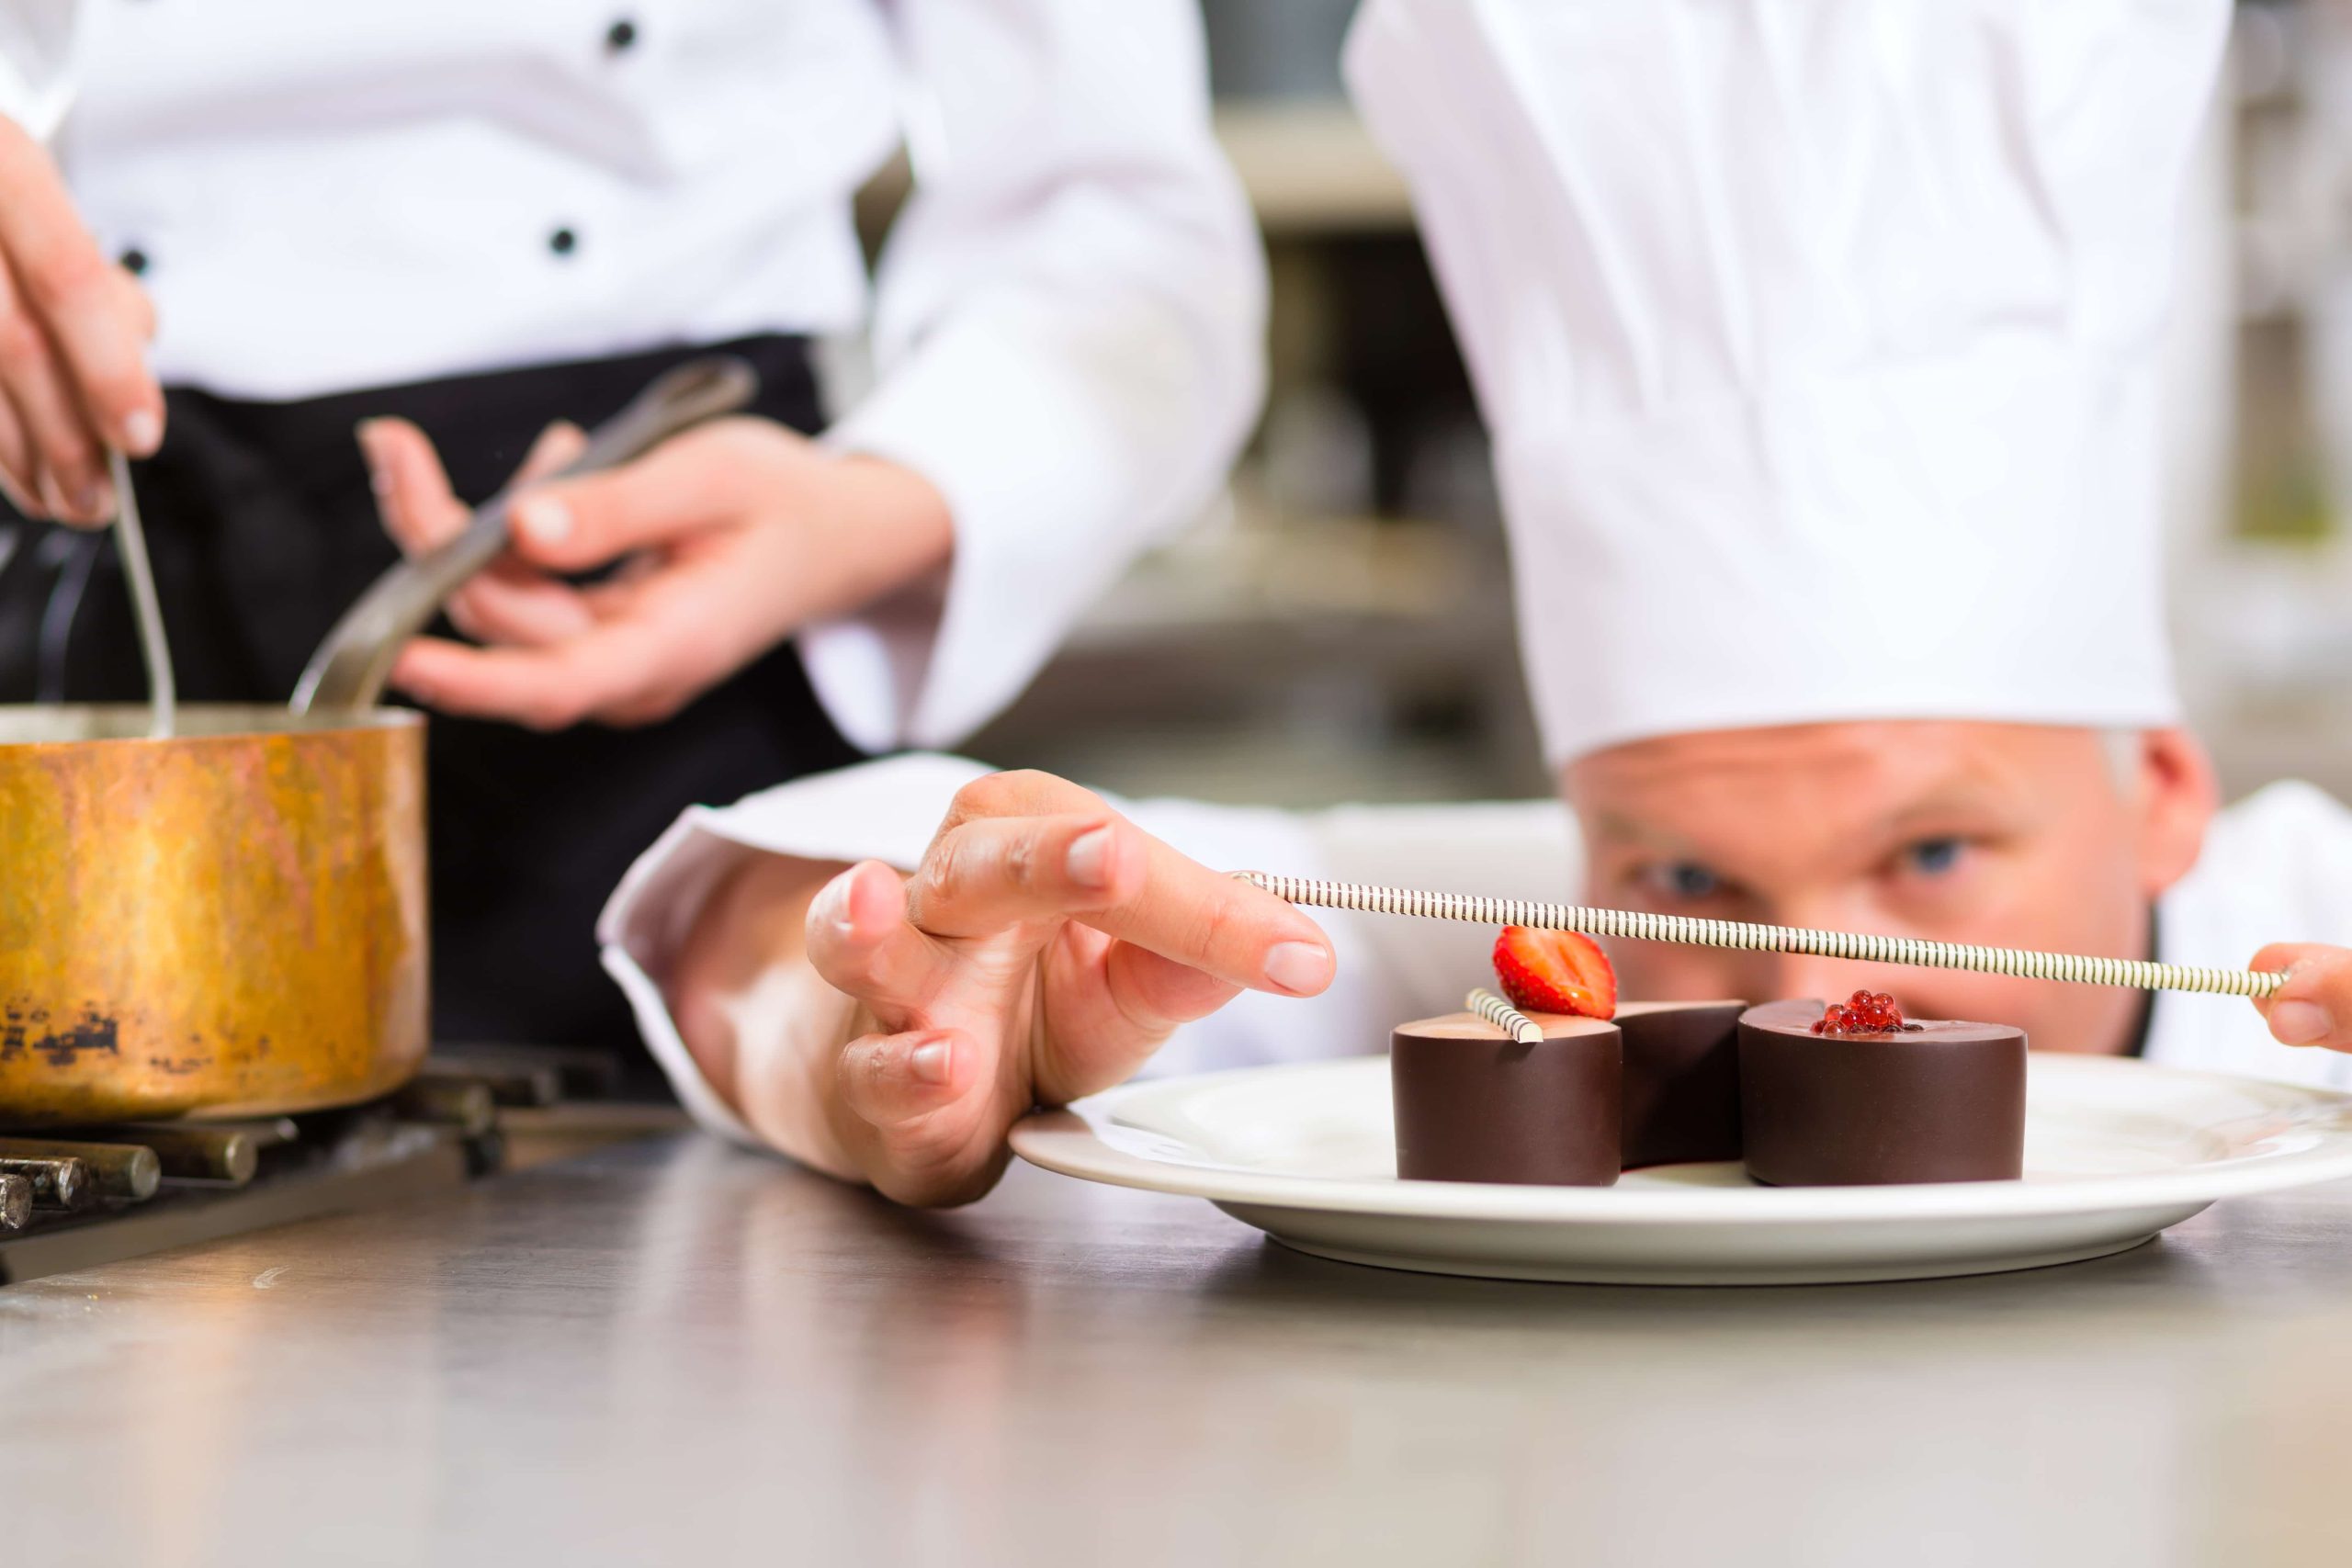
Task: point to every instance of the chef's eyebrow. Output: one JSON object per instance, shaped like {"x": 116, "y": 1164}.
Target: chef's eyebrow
{"x": 1620, "y": 829}
{"x": 1954, "y": 806}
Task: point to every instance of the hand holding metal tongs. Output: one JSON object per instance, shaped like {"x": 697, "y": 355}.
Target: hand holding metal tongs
{"x": 349, "y": 670}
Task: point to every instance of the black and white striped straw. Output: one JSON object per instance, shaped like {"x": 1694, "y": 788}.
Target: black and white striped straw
{"x": 1639, "y": 926}
{"x": 1503, "y": 1016}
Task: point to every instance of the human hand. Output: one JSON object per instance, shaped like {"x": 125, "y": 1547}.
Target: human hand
{"x": 73, "y": 334}
{"x": 1042, "y": 950}
{"x": 733, "y": 534}
{"x": 2314, "y": 1007}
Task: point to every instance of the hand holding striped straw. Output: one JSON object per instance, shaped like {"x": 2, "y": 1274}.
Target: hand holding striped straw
{"x": 2024, "y": 963}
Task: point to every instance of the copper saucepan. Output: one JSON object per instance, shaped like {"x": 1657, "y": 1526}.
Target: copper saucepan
{"x": 231, "y": 920}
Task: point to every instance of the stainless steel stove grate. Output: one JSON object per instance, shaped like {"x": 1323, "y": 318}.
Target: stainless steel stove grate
{"x": 76, "y": 1198}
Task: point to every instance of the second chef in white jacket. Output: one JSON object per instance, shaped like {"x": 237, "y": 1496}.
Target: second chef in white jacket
{"x": 1819, "y": 347}
{"x": 465, "y": 222}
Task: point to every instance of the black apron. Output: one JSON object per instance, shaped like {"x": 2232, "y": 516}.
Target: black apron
{"x": 263, "y": 529}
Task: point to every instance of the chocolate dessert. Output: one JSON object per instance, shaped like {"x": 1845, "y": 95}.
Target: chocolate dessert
{"x": 1681, "y": 1086}
{"x": 1474, "y": 1105}
{"x": 1929, "y": 1099}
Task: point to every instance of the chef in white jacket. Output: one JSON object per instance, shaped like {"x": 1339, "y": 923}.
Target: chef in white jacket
{"x": 358, "y": 232}
{"x": 1817, "y": 344}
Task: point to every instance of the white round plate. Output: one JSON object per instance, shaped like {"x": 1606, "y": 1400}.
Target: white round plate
{"x": 2116, "y": 1150}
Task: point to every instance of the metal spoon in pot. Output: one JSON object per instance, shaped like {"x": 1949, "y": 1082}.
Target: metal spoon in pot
{"x": 130, "y": 543}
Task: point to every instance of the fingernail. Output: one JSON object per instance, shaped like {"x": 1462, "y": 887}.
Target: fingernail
{"x": 934, "y": 1060}
{"x": 1299, "y": 967}
{"x": 2300, "y": 1023}
{"x": 543, "y": 520}
{"x": 832, "y": 904}
{"x": 368, "y": 435}
{"x": 1088, "y": 861}
{"x": 96, "y": 501}
{"x": 142, "y": 434}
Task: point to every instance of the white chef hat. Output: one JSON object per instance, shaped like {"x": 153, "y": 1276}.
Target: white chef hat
{"x": 1818, "y": 343}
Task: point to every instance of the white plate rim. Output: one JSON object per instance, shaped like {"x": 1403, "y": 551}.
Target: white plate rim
{"x": 1067, "y": 1141}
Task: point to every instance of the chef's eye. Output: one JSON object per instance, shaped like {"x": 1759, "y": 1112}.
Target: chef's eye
{"x": 1681, "y": 879}
{"x": 1933, "y": 857}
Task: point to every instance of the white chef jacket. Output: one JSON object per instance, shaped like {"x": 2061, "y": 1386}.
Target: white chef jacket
{"x": 2277, "y": 867}
{"x": 1067, "y": 321}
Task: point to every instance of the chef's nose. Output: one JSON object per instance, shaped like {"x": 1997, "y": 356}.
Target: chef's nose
{"x": 1831, "y": 979}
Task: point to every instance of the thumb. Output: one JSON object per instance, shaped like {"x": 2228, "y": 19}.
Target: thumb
{"x": 678, "y": 488}
{"x": 2314, "y": 1006}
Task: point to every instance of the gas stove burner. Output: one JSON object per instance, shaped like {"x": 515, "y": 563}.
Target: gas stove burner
{"x": 74, "y": 1198}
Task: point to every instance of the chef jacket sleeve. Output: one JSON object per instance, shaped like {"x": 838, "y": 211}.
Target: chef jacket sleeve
{"x": 1389, "y": 968}
{"x": 35, "y": 63}
{"x": 1068, "y": 339}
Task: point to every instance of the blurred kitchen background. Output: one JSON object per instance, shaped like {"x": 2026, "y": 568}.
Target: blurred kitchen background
{"x": 1338, "y": 628}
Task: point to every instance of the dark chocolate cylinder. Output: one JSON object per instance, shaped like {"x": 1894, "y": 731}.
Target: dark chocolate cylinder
{"x": 1473, "y": 1106}
{"x": 1681, "y": 1086}
{"x": 1945, "y": 1103}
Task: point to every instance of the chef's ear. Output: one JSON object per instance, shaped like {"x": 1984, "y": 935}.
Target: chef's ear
{"x": 2171, "y": 786}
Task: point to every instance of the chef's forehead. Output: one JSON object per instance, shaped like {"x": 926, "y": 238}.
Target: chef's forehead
{"x": 1889, "y": 763}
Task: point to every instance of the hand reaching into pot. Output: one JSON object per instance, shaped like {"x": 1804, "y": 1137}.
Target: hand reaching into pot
{"x": 892, "y": 1028}
{"x": 730, "y": 538}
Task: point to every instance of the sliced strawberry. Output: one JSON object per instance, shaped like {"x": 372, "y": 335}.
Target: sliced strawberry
{"x": 1546, "y": 971}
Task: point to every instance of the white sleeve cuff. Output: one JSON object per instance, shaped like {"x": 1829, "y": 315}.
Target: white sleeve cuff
{"x": 1069, "y": 324}
{"x": 655, "y": 905}
{"x": 1046, "y": 458}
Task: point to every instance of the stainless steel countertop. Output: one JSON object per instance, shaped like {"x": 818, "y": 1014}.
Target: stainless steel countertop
{"x": 670, "y": 1352}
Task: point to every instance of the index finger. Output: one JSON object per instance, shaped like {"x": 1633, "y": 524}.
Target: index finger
{"x": 1099, "y": 869}
{"x": 1214, "y": 921}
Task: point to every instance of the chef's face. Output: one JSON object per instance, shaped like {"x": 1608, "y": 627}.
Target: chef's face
{"x": 2005, "y": 834}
